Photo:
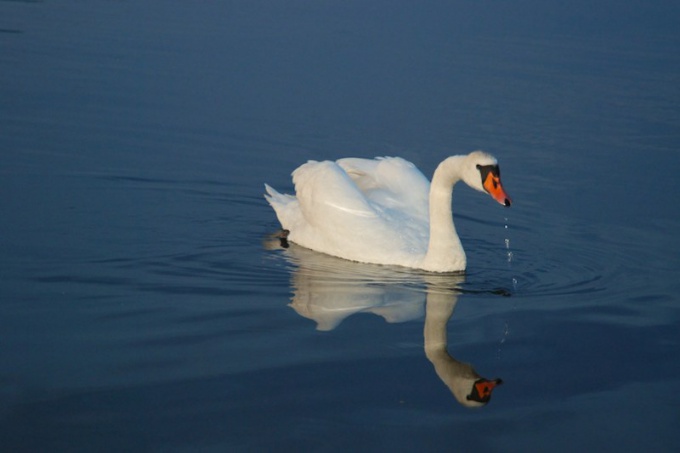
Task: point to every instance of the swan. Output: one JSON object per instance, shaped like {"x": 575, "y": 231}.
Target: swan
{"x": 383, "y": 210}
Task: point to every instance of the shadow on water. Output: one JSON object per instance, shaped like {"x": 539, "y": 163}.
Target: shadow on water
{"x": 328, "y": 290}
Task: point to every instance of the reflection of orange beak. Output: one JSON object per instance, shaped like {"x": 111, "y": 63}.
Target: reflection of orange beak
{"x": 493, "y": 185}
{"x": 482, "y": 388}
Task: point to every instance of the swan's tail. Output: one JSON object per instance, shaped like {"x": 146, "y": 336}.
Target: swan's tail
{"x": 285, "y": 206}
{"x": 275, "y": 199}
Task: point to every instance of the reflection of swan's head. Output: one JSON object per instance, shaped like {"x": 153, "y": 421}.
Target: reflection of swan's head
{"x": 468, "y": 387}
{"x": 481, "y": 390}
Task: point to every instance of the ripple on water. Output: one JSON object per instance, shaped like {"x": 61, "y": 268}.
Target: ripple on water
{"x": 568, "y": 267}
{"x": 601, "y": 272}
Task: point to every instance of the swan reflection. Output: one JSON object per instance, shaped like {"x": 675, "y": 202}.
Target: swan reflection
{"x": 328, "y": 290}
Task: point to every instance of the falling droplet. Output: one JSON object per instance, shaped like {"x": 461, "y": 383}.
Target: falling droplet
{"x": 506, "y": 332}
{"x": 510, "y": 255}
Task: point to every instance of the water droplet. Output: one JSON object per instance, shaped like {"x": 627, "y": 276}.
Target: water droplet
{"x": 506, "y": 331}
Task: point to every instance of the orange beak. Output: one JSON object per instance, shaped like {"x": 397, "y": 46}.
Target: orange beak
{"x": 493, "y": 185}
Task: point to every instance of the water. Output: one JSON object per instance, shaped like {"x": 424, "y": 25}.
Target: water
{"x": 145, "y": 305}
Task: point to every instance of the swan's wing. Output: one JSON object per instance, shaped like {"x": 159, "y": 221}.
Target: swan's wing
{"x": 392, "y": 183}
{"x": 325, "y": 198}
{"x": 336, "y": 218}
{"x": 326, "y": 201}
{"x": 326, "y": 194}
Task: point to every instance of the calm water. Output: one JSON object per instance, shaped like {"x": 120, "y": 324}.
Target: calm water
{"x": 144, "y": 305}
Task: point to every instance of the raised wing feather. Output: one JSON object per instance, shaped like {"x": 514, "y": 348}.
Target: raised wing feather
{"x": 392, "y": 183}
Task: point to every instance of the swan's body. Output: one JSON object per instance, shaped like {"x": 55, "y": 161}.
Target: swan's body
{"x": 384, "y": 210}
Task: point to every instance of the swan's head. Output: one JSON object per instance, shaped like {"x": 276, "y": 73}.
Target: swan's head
{"x": 481, "y": 172}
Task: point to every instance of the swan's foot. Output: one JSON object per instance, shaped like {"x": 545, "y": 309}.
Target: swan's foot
{"x": 283, "y": 238}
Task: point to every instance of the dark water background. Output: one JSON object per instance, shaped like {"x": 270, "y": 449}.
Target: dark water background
{"x": 142, "y": 306}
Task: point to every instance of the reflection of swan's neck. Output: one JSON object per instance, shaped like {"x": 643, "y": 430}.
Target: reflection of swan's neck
{"x": 459, "y": 377}
{"x": 444, "y": 252}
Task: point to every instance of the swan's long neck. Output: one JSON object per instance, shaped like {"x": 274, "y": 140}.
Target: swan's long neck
{"x": 457, "y": 376}
{"x": 445, "y": 252}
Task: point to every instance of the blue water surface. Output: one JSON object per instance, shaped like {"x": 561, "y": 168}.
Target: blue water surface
{"x": 146, "y": 306}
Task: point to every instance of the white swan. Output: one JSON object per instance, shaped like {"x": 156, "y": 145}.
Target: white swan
{"x": 384, "y": 210}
